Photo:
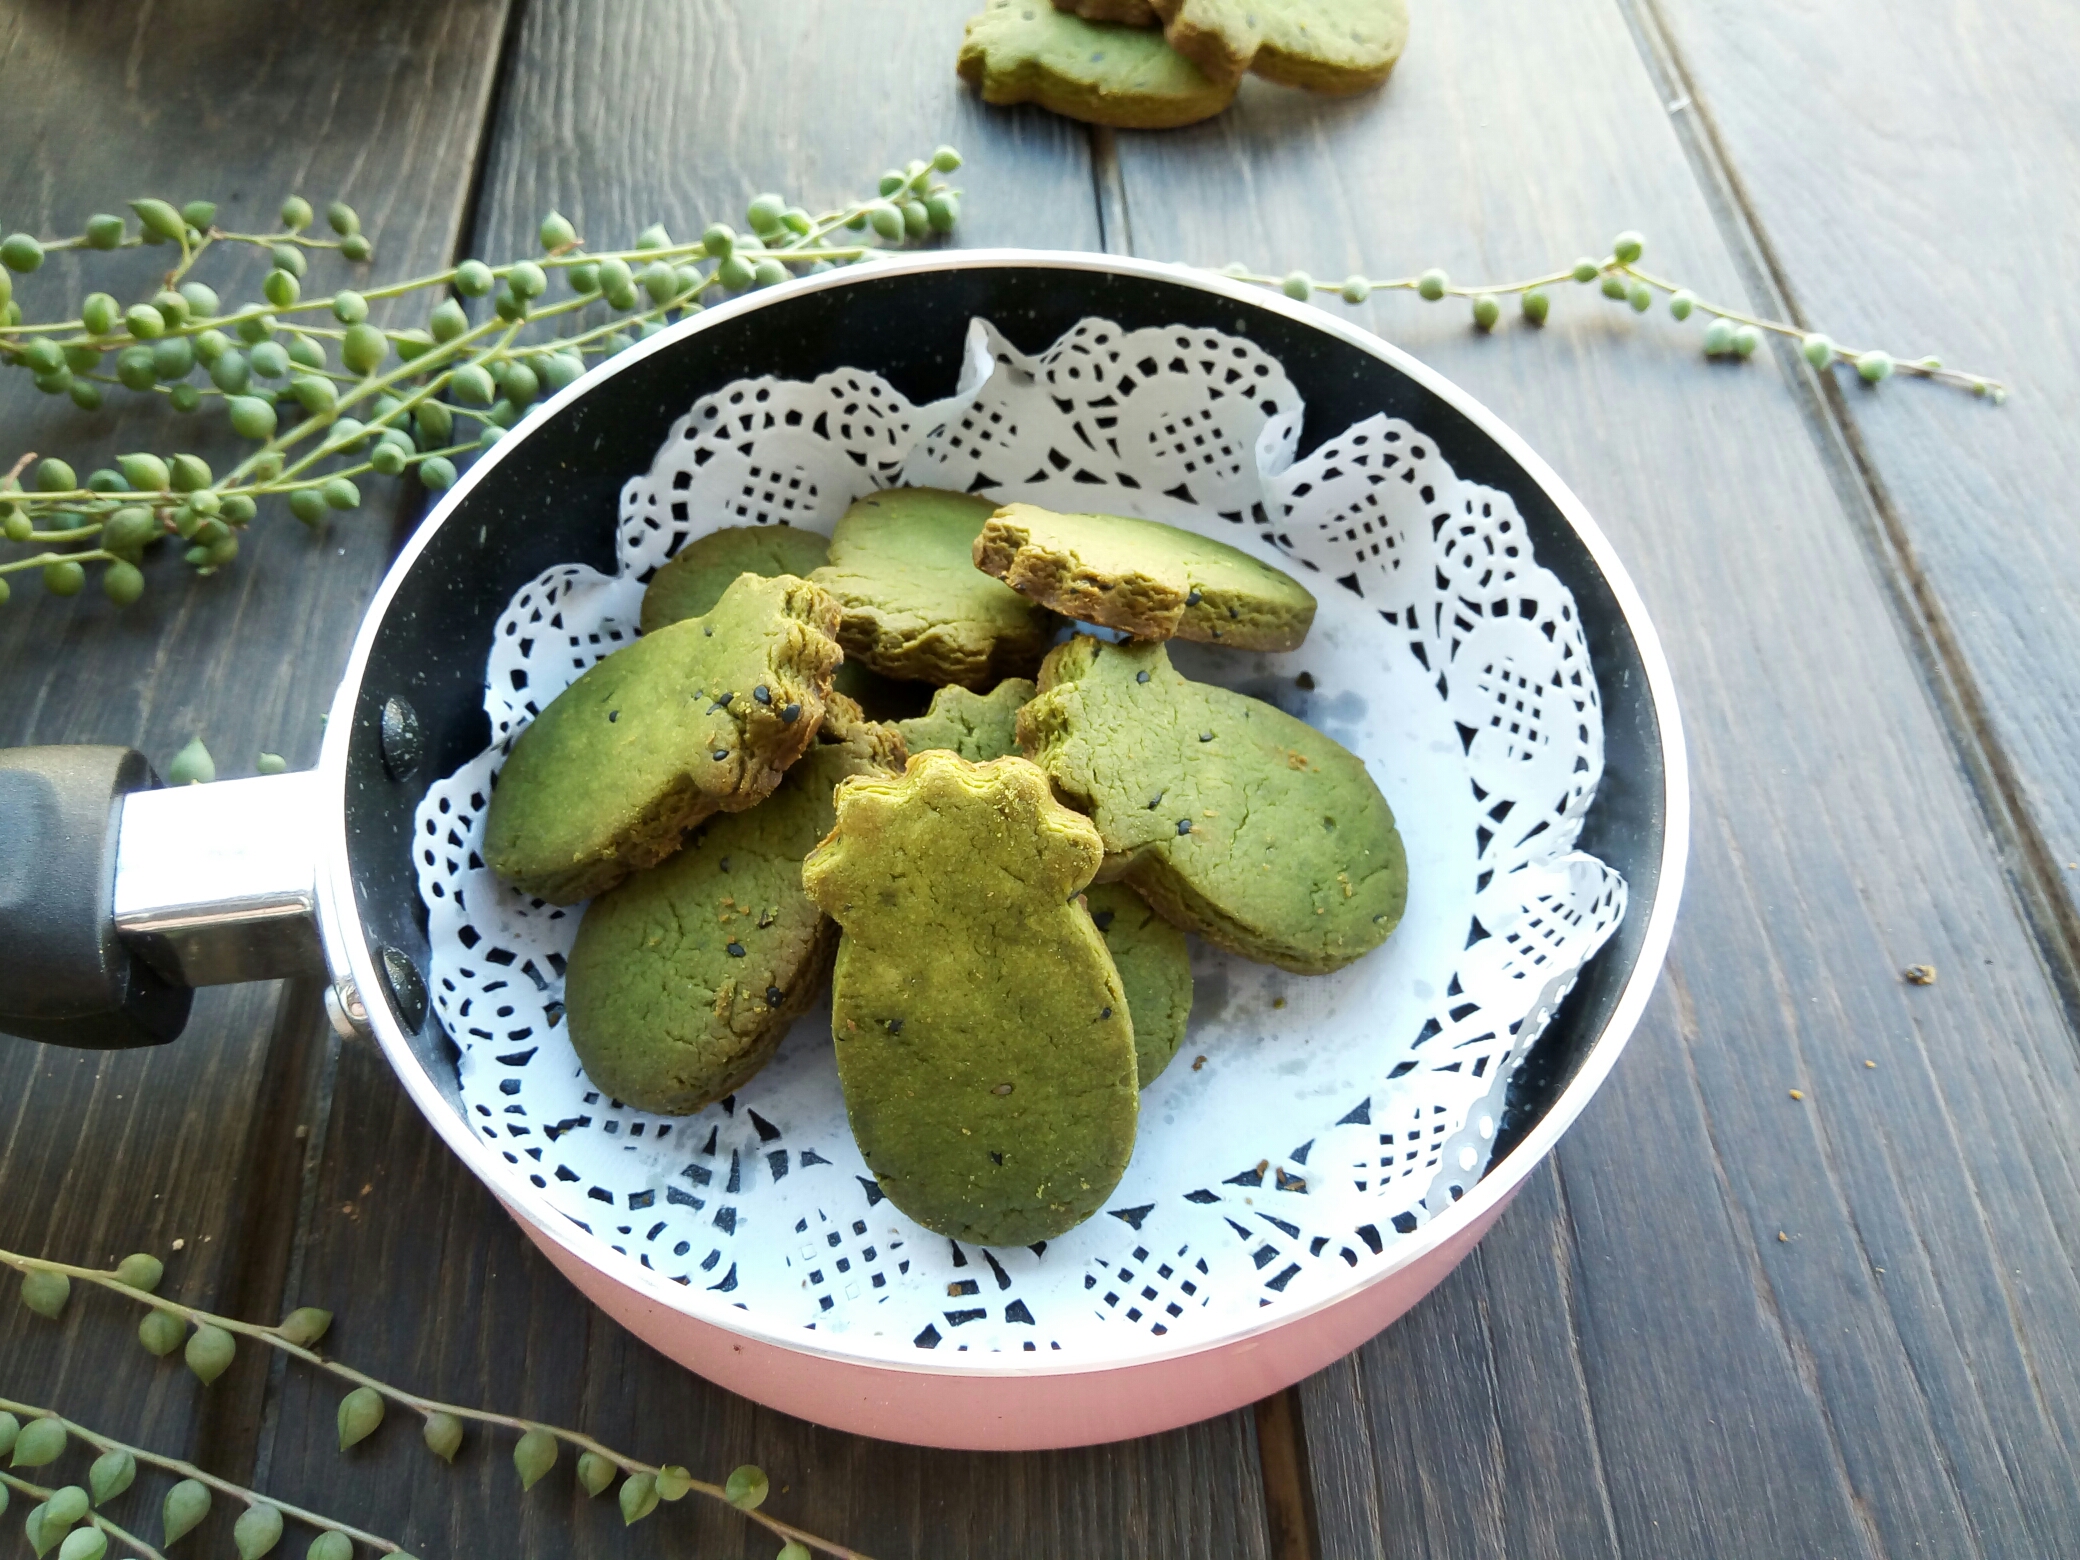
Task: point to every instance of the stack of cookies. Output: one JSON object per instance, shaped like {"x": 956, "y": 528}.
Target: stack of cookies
{"x": 1156, "y": 64}
{"x": 997, "y": 887}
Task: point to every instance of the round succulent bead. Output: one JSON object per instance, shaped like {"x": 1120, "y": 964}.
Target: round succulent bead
{"x": 1536, "y": 305}
{"x": 56, "y": 382}
{"x": 172, "y": 306}
{"x": 211, "y": 345}
{"x": 281, "y": 289}
{"x": 1874, "y": 366}
{"x": 654, "y": 236}
{"x": 503, "y": 414}
{"x": 886, "y": 220}
{"x": 105, "y": 480}
{"x": 942, "y": 209}
{"x": 17, "y": 527}
{"x": 203, "y": 302}
{"x": 659, "y": 280}
{"x": 145, "y": 473}
{"x": 349, "y": 307}
{"x": 1298, "y": 286}
{"x": 520, "y": 385}
{"x": 104, "y": 231}
{"x": 43, "y": 356}
{"x": 437, "y": 473}
{"x": 239, "y": 508}
{"x": 64, "y": 579}
{"x": 1432, "y": 284}
{"x": 128, "y": 530}
{"x": 161, "y": 223}
{"x": 20, "y": 252}
{"x": 255, "y": 328}
{"x": 1355, "y": 289}
{"x": 387, "y": 459}
{"x": 556, "y": 231}
{"x": 768, "y": 273}
{"x": 363, "y": 348}
{"x": 688, "y": 278}
{"x": 307, "y": 505}
{"x": 946, "y": 159}
{"x": 1817, "y": 350}
{"x": 584, "y": 277}
{"x": 340, "y": 493}
{"x": 735, "y": 273}
{"x": 509, "y": 306}
{"x": 719, "y": 241}
{"x": 251, "y": 418}
{"x": 472, "y": 386}
{"x": 891, "y": 181}
{"x": 767, "y": 213}
{"x": 798, "y": 221}
{"x": 173, "y": 357}
{"x": 307, "y": 350}
{"x": 86, "y": 395}
{"x": 1718, "y": 338}
{"x": 314, "y": 394}
{"x": 231, "y": 372}
{"x": 356, "y": 248}
{"x": 296, "y": 213}
{"x": 189, "y": 474}
{"x": 527, "y": 280}
{"x": 1628, "y": 246}
{"x": 1585, "y": 270}
{"x": 1640, "y": 296}
{"x": 84, "y": 360}
{"x": 489, "y": 435}
{"x": 916, "y": 220}
{"x": 100, "y": 313}
{"x": 345, "y": 434}
{"x": 435, "y": 423}
{"x": 122, "y": 583}
{"x": 342, "y": 220}
{"x": 1746, "y": 338}
{"x": 287, "y": 257}
{"x": 1486, "y": 311}
{"x": 144, "y": 322}
{"x": 559, "y": 369}
{"x": 6, "y": 590}
{"x": 200, "y": 214}
{"x": 269, "y": 359}
{"x": 473, "y": 279}
{"x": 1681, "y": 302}
{"x": 55, "y": 476}
{"x": 1614, "y": 287}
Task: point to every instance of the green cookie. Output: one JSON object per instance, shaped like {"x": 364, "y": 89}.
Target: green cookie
{"x": 1026, "y": 51}
{"x": 978, "y": 726}
{"x": 694, "y": 581}
{"x": 1126, "y": 13}
{"x": 1322, "y": 45}
{"x": 1143, "y": 578}
{"x": 700, "y": 717}
{"x": 683, "y": 978}
{"x": 1232, "y": 818}
{"x": 1155, "y": 971}
{"x": 902, "y": 568}
{"x": 983, "y": 1040}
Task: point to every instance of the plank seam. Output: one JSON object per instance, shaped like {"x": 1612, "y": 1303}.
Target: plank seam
{"x": 2035, "y": 881}
{"x": 1569, "y": 1267}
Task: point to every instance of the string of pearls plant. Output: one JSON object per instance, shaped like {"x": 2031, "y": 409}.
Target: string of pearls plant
{"x": 329, "y": 397}
{"x": 70, "y": 1518}
{"x": 1729, "y": 333}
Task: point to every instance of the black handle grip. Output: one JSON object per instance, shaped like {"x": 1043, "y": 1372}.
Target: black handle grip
{"x": 64, "y": 977}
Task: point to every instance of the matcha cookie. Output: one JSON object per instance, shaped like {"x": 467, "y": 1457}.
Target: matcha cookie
{"x": 705, "y": 567}
{"x": 701, "y": 717}
{"x": 1155, "y": 971}
{"x": 982, "y": 1036}
{"x": 1126, "y": 13}
{"x": 978, "y": 726}
{"x": 901, "y": 566}
{"x": 683, "y": 978}
{"x": 1232, "y": 818}
{"x": 1322, "y": 45}
{"x": 1143, "y": 578}
{"x": 1026, "y": 51}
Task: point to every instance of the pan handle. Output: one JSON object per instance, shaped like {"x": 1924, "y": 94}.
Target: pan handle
{"x": 66, "y": 977}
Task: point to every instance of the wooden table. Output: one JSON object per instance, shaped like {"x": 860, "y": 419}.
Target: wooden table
{"x": 1722, "y": 1320}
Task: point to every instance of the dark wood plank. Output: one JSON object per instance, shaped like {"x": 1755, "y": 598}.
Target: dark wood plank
{"x": 1941, "y": 217}
{"x": 619, "y": 117}
{"x": 201, "y": 1142}
{"x": 1742, "y": 1395}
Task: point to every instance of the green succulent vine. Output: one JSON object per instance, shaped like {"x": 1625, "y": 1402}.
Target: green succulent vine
{"x": 71, "y": 1518}
{"x": 1728, "y": 333}
{"x": 330, "y": 398}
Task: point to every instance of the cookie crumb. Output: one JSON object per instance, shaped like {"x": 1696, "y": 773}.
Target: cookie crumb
{"x": 1919, "y": 974}
{"x": 1197, "y": 1063}
{"x": 1783, "y": 1237}
{"x": 1868, "y": 1062}
{"x": 1798, "y": 1094}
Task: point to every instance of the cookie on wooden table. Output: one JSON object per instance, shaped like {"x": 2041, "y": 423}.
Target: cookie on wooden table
{"x": 978, "y": 726}
{"x": 1323, "y": 45}
{"x": 982, "y": 1035}
{"x": 684, "y": 977}
{"x": 1232, "y": 818}
{"x": 1146, "y": 579}
{"x": 1155, "y": 971}
{"x": 705, "y": 567}
{"x": 1026, "y": 51}
{"x": 701, "y": 717}
{"x": 901, "y": 567}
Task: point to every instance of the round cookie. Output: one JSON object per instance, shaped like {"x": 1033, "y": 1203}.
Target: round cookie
{"x": 683, "y": 978}
{"x": 1155, "y": 971}
{"x": 694, "y": 581}
{"x": 1144, "y": 578}
{"x": 982, "y": 1036}
{"x": 1230, "y": 817}
{"x": 1125, "y": 13}
{"x": 978, "y": 726}
{"x": 1323, "y": 45}
{"x": 901, "y": 567}
{"x": 1026, "y": 51}
{"x": 702, "y": 716}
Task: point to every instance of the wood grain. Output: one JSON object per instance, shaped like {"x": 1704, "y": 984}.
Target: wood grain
{"x": 620, "y": 116}
{"x": 200, "y": 1142}
{"x": 1640, "y": 1347}
{"x": 1941, "y": 219}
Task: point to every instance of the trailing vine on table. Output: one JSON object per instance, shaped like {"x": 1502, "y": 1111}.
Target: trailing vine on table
{"x": 326, "y": 395}
{"x": 1730, "y": 333}
{"x": 71, "y": 1518}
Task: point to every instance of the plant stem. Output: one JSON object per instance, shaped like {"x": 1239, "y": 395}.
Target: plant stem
{"x": 146, "y": 1551}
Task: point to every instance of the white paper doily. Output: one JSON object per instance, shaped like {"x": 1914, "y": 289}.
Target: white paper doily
{"x": 1330, "y": 1115}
